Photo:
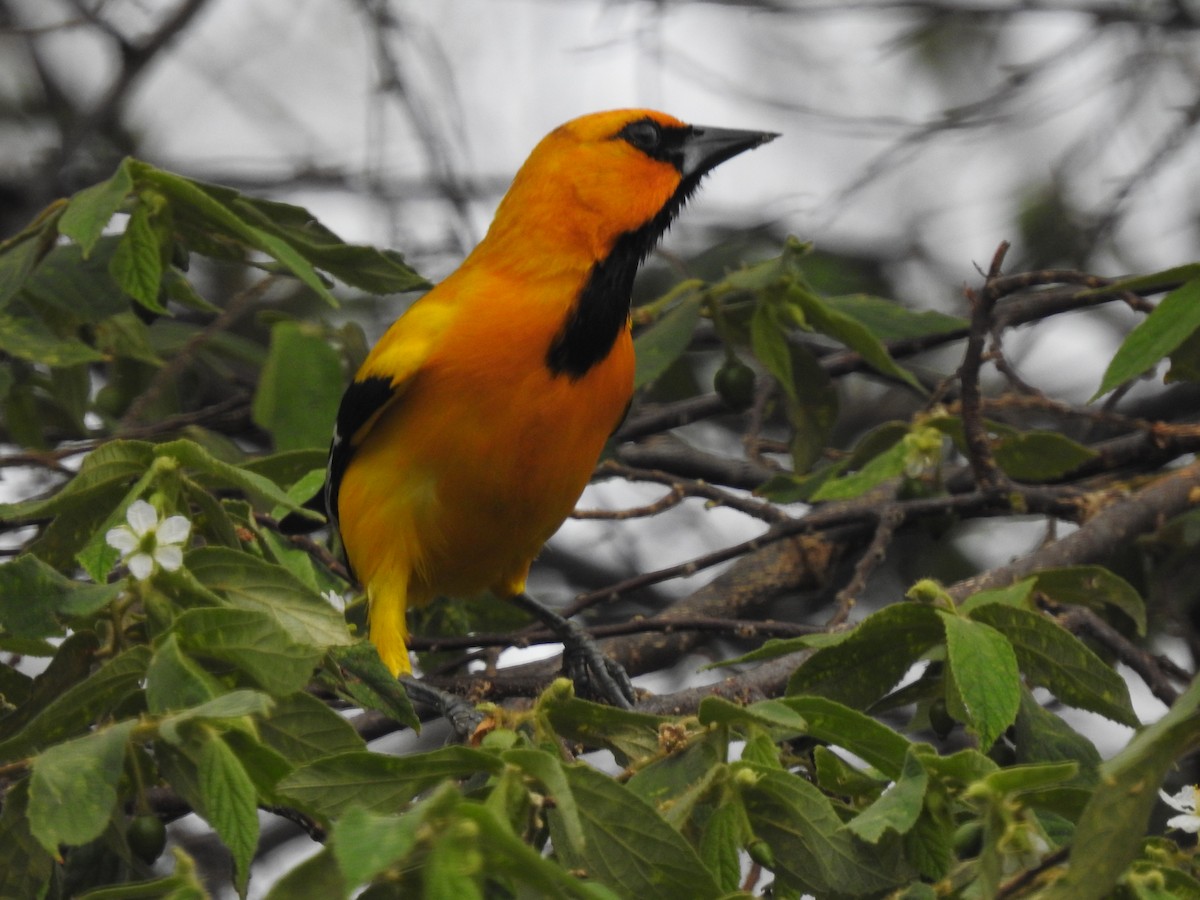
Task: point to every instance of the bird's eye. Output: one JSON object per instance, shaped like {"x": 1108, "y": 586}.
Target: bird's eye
{"x": 643, "y": 134}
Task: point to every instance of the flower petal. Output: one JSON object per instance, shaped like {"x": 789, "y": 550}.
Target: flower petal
{"x": 169, "y": 557}
{"x": 1183, "y": 800}
{"x": 122, "y": 538}
{"x": 140, "y": 566}
{"x": 142, "y": 517}
{"x": 173, "y": 530}
{"x": 1189, "y": 824}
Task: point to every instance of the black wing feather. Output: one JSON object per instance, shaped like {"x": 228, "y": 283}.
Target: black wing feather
{"x": 362, "y": 400}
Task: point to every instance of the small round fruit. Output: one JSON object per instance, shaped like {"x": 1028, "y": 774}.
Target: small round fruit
{"x": 734, "y": 383}
{"x": 147, "y": 836}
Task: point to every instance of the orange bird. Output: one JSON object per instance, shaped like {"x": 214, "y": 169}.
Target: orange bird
{"x": 475, "y": 423}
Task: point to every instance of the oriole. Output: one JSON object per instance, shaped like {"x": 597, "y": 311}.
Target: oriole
{"x": 474, "y": 424}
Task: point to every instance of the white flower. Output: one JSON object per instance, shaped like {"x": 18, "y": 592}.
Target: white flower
{"x": 146, "y": 542}
{"x": 1184, "y": 802}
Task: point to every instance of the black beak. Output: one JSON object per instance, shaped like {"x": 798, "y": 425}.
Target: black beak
{"x": 705, "y": 147}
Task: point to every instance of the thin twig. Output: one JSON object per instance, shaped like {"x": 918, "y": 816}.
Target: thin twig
{"x": 988, "y": 475}
{"x": 1082, "y": 621}
{"x": 744, "y": 629}
{"x": 692, "y": 488}
{"x": 890, "y": 518}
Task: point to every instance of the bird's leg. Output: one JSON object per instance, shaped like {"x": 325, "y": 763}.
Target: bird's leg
{"x": 582, "y": 659}
{"x": 458, "y": 711}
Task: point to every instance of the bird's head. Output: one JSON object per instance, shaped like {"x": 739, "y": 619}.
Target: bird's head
{"x": 618, "y": 173}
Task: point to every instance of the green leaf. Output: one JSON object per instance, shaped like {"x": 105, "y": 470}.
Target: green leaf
{"x": 21, "y": 254}
{"x": 1168, "y": 326}
{"x": 230, "y": 804}
{"x": 960, "y": 769}
{"x": 1040, "y": 455}
{"x": 898, "y": 808}
{"x": 929, "y": 846}
{"x": 28, "y": 338}
{"x": 116, "y": 462}
{"x": 28, "y": 867}
{"x": 173, "y": 681}
{"x": 317, "y": 878}
{"x": 137, "y": 263}
{"x": 724, "y": 834}
{"x": 679, "y": 781}
{"x": 290, "y": 467}
{"x": 227, "y": 708}
{"x": 77, "y": 518}
{"x": 303, "y": 729}
{"x": 768, "y": 342}
{"x": 207, "y": 203}
{"x": 260, "y": 490}
{"x": 182, "y": 884}
{"x": 78, "y": 706}
{"x": 628, "y": 734}
{"x": 550, "y": 773}
{"x": 873, "y": 658}
{"x": 984, "y": 670}
{"x": 850, "y": 332}
{"x": 889, "y": 321}
{"x": 250, "y": 583}
{"x": 865, "y": 737}
{"x": 813, "y": 852}
{"x": 252, "y": 641}
{"x": 1016, "y": 594}
{"x": 811, "y": 407}
{"x": 299, "y": 388}
{"x": 838, "y": 777}
{"x": 91, "y": 209}
{"x": 69, "y": 287}
{"x": 1041, "y": 736}
{"x": 773, "y": 648}
{"x": 627, "y": 844}
{"x": 1053, "y": 658}
{"x": 73, "y": 789}
{"x": 329, "y": 787}
{"x": 888, "y": 464}
{"x": 1094, "y": 587}
{"x": 29, "y": 595}
{"x": 366, "y": 844}
{"x": 1185, "y": 360}
{"x": 660, "y": 344}
{"x": 776, "y": 716}
{"x": 372, "y": 685}
{"x": 366, "y": 268}
{"x": 506, "y": 855}
{"x": 125, "y": 335}
{"x": 98, "y": 557}
{"x": 455, "y": 864}
{"x": 1021, "y": 779}
{"x": 1149, "y": 283}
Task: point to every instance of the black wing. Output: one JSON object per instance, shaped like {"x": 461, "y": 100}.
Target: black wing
{"x": 362, "y": 401}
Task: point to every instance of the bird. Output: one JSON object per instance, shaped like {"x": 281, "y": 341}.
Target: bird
{"x": 475, "y": 422}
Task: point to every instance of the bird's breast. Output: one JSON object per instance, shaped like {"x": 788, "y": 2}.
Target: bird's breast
{"x": 487, "y": 452}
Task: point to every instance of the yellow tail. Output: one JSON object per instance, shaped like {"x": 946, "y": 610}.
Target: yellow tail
{"x": 389, "y": 633}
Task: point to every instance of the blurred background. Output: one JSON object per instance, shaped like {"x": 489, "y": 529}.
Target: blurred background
{"x": 916, "y": 137}
{"x": 916, "y": 134}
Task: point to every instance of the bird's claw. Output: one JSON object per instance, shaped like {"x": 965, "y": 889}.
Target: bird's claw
{"x": 461, "y": 713}
{"x": 589, "y": 668}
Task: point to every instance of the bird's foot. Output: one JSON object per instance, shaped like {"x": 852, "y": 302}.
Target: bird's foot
{"x": 461, "y": 713}
{"x": 583, "y": 662}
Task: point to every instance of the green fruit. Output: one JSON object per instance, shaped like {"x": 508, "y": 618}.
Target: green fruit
{"x": 147, "y": 836}
{"x": 734, "y": 383}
